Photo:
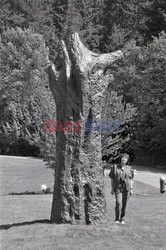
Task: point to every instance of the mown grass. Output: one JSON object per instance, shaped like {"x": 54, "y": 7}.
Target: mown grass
{"x": 20, "y": 174}
{"x": 25, "y": 224}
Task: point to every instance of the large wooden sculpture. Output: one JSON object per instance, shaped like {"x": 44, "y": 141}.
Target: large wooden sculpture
{"x": 79, "y": 84}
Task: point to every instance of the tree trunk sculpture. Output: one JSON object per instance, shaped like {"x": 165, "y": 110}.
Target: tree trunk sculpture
{"x": 78, "y": 85}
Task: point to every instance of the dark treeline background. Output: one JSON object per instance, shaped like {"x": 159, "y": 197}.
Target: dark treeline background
{"x": 30, "y": 29}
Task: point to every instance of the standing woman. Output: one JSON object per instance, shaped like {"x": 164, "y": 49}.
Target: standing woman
{"x": 122, "y": 176}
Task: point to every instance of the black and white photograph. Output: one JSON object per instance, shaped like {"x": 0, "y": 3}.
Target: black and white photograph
{"x": 83, "y": 124}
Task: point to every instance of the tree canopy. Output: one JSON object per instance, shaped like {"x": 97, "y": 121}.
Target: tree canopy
{"x": 30, "y": 33}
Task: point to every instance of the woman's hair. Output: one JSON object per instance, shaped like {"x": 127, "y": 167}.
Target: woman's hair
{"x": 127, "y": 156}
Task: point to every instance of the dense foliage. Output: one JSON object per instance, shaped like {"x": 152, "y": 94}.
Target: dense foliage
{"x": 136, "y": 27}
{"x": 121, "y": 116}
{"x": 25, "y": 100}
{"x": 140, "y": 78}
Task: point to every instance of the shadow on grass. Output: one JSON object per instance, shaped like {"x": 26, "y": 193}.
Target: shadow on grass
{"x": 7, "y": 226}
{"x": 28, "y": 193}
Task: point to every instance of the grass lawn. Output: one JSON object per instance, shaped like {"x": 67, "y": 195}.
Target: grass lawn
{"x": 25, "y": 224}
{"x": 20, "y": 174}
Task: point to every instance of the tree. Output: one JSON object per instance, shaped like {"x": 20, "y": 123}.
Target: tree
{"x": 132, "y": 19}
{"x": 154, "y": 19}
{"x": 36, "y": 14}
{"x": 153, "y": 121}
{"x": 84, "y": 17}
{"x": 79, "y": 86}
{"x": 140, "y": 78}
{"x": 120, "y": 23}
{"x": 122, "y": 118}
{"x": 22, "y": 80}
{"x": 92, "y": 23}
